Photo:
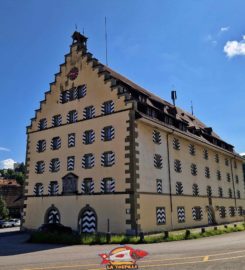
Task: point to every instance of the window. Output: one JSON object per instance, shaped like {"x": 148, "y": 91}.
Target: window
{"x": 72, "y": 116}
{"x": 181, "y": 214}
{"x": 72, "y": 93}
{"x": 107, "y": 185}
{"x": 238, "y": 194}
{"x": 42, "y": 124}
{"x": 218, "y": 174}
{"x": 40, "y": 167}
{"x": 89, "y": 112}
{"x": 156, "y": 136}
{"x": 235, "y": 164}
{"x": 159, "y": 185}
{"x": 193, "y": 169}
{"x": 54, "y": 165}
{"x": 220, "y": 192}
{"x": 87, "y": 186}
{"x": 197, "y": 213}
{"x": 192, "y": 149}
{"x": 69, "y": 184}
{"x": 88, "y": 161}
{"x": 71, "y": 139}
{"x": 107, "y": 107}
{"x": 41, "y": 146}
{"x": 177, "y": 166}
{"x": 88, "y": 137}
{"x": 160, "y": 215}
{"x": 53, "y": 188}
{"x": 70, "y": 163}
{"x": 55, "y": 143}
{"x": 232, "y": 211}
{"x": 195, "y": 190}
{"x": 228, "y": 177}
{"x": 229, "y": 193}
{"x": 107, "y": 133}
{"x": 56, "y": 120}
{"x": 108, "y": 159}
{"x": 81, "y": 91}
{"x": 209, "y": 191}
{"x": 179, "y": 188}
{"x": 207, "y": 172}
{"x": 216, "y": 157}
{"x": 226, "y": 162}
{"x": 157, "y": 161}
{"x": 176, "y": 144}
{"x": 38, "y": 189}
{"x": 222, "y": 212}
{"x": 239, "y": 210}
{"x": 205, "y": 154}
{"x": 237, "y": 179}
{"x": 64, "y": 96}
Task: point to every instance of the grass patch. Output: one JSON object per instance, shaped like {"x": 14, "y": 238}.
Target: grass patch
{"x": 101, "y": 239}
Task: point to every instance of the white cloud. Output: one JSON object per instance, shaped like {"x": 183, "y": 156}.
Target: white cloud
{"x": 242, "y": 154}
{"x": 234, "y": 48}
{"x": 4, "y": 149}
{"x": 7, "y": 163}
{"x": 224, "y": 28}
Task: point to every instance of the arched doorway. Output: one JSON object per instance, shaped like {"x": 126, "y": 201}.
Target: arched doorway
{"x": 87, "y": 220}
{"x": 52, "y": 215}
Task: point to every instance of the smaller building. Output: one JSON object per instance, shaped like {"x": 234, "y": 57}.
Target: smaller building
{"x": 12, "y": 193}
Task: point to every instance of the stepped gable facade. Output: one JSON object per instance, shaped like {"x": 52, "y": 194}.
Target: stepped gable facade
{"x": 104, "y": 154}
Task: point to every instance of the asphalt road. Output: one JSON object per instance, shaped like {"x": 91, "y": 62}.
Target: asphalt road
{"x": 223, "y": 252}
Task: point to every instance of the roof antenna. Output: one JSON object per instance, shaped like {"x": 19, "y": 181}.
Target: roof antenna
{"x": 106, "y": 59}
{"x": 83, "y": 30}
{"x": 173, "y": 96}
{"x": 192, "y": 112}
{"x": 76, "y": 27}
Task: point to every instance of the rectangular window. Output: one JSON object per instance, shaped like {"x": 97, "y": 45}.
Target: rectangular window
{"x": 70, "y": 163}
{"x": 41, "y": 146}
{"x": 159, "y": 185}
{"x": 108, "y": 185}
{"x": 107, "y": 159}
{"x": 71, "y": 140}
{"x": 88, "y": 136}
{"x": 107, "y": 133}
{"x": 55, "y": 143}
{"x": 56, "y": 120}
{"x": 72, "y": 117}
{"x": 197, "y": 213}
{"x": 158, "y": 161}
{"x": 81, "y": 91}
{"x": 108, "y": 107}
{"x": 89, "y": 112}
{"x": 179, "y": 188}
{"x": 42, "y": 124}
{"x": 40, "y": 166}
{"x": 181, "y": 214}
{"x": 53, "y": 188}
{"x": 160, "y": 215}
{"x": 156, "y": 137}
{"x": 88, "y": 161}
{"x": 54, "y": 165}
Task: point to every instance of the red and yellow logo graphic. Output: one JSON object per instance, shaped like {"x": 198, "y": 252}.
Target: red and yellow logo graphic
{"x": 122, "y": 258}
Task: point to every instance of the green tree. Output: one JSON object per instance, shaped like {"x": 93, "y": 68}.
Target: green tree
{"x": 20, "y": 178}
{"x": 4, "y": 212}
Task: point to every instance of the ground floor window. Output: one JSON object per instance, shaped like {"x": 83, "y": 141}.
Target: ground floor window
{"x": 52, "y": 215}
{"x": 160, "y": 215}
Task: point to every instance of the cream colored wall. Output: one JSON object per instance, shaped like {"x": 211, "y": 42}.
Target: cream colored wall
{"x": 148, "y": 175}
{"x": 147, "y": 148}
{"x": 117, "y": 171}
{"x": 97, "y": 92}
{"x": 112, "y": 206}
{"x": 70, "y": 207}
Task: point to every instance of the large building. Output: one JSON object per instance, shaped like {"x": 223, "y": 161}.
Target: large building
{"x": 105, "y": 154}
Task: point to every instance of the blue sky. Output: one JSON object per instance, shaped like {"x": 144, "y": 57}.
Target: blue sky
{"x": 196, "y": 47}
